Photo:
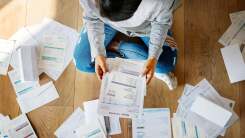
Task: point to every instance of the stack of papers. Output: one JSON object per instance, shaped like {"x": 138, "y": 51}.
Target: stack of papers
{"x": 19, "y": 127}
{"x": 202, "y": 108}
{"x": 54, "y": 42}
{"x": 123, "y": 89}
{"x": 88, "y": 124}
{"x": 6, "y": 50}
{"x": 30, "y": 95}
{"x": 155, "y": 123}
{"x": 233, "y": 53}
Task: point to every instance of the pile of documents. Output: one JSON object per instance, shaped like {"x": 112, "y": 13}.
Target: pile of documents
{"x": 19, "y": 127}
{"x": 203, "y": 112}
{"x": 88, "y": 123}
{"x": 42, "y": 48}
{"x": 234, "y": 52}
{"x": 50, "y": 46}
{"x": 122, "y": 89}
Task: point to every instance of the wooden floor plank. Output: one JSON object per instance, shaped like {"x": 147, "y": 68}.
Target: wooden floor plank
{"x": 203, "y": 27}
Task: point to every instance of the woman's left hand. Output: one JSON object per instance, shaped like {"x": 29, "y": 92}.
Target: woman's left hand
{"x": 149, "y": 69}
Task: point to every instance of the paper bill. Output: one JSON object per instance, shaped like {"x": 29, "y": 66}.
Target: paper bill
{"x": 155, "y": 123}
{"x": 38, "y": 97}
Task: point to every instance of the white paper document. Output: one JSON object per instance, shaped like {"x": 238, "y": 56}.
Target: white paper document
{"x": 22, "y": 38}
{"x": 20, "y": 127}
{"x": 235, "y": 15}
{"x": 52, "y": 54}
{"x": 183, "y": 129}
{"x": 232, "y": 31}
{"x": 6, "y": 50}
{"x": 234, "y": 62}
{"x": 21, "y": 87}
{"x": 91, "y": 130}
{"x": 38, "y": 97}
{"x": 28, "y": 63}
{"x": 4, "y": 126}
{"x": 155, "y": 123}
{"x": 67, "y": 129}
{"x": 91, "y": 114}
{"x": 55, "y": 44}
{"x": 122, "y": 91}
{"x": 211, "y": 111}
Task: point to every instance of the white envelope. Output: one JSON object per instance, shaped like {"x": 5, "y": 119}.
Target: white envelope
{"x": 211, "y": 111}
{"x": 235, "y": 65}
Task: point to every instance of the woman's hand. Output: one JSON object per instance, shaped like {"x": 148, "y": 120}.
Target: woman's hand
{"x": 149, "y": 69}
{"x": 100, "y": 66}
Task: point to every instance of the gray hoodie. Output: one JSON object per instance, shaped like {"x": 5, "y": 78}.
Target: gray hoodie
{"x": 153, "y": 18}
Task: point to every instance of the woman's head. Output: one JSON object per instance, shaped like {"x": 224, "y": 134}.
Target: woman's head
{"x": 118, "y": 10}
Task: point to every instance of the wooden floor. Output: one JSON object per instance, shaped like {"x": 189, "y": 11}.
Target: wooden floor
{"x": 197, "y": 26}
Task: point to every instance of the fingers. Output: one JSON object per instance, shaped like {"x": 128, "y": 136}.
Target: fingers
{"x": 99, "y": 72}
{"x": 149, "y": 76}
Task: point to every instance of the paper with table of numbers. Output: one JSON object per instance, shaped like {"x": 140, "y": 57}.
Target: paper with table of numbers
{"x": 122, "y": 90}
{"x": 6, "y": 50}
{"x": 155, "y": 123}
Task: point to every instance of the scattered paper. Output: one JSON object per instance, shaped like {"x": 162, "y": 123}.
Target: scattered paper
{"x": 155, "y": 123}
{"x": 205, "y": 89}
{"x": 21, "y": 87}
{"x": 231, "y": 32}
{"x": 67, "y": 129}
{"x": 235, "y": 65}
{"x": 47, "y": 33}
{"x": 183, "y": 129}
{"x": 21, "y": 128}
{"x": 91, "y": 130}
{"x": 28, "y": 63}
{"x": 38, "y": 97}
{"x": 6, "y": 50}
{"x": 211, "y": 111}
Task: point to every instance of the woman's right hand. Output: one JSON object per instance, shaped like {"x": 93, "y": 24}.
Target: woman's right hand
{"x": 100, "y": 66}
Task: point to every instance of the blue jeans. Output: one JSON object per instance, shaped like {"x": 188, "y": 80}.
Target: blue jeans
{"x": 82, "y": 57}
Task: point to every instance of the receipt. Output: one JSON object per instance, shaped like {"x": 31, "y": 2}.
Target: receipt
{"x": 6, "y": 50}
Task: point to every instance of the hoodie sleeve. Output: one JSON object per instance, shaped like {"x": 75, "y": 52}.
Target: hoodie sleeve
{"x": 95, "y": 29}
{"x": 159, "y": 30}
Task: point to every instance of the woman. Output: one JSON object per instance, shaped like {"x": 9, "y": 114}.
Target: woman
{"x": 150, "y": 20}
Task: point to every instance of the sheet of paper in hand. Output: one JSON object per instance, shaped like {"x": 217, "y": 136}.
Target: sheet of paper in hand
{"x": 122, "y": 93}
